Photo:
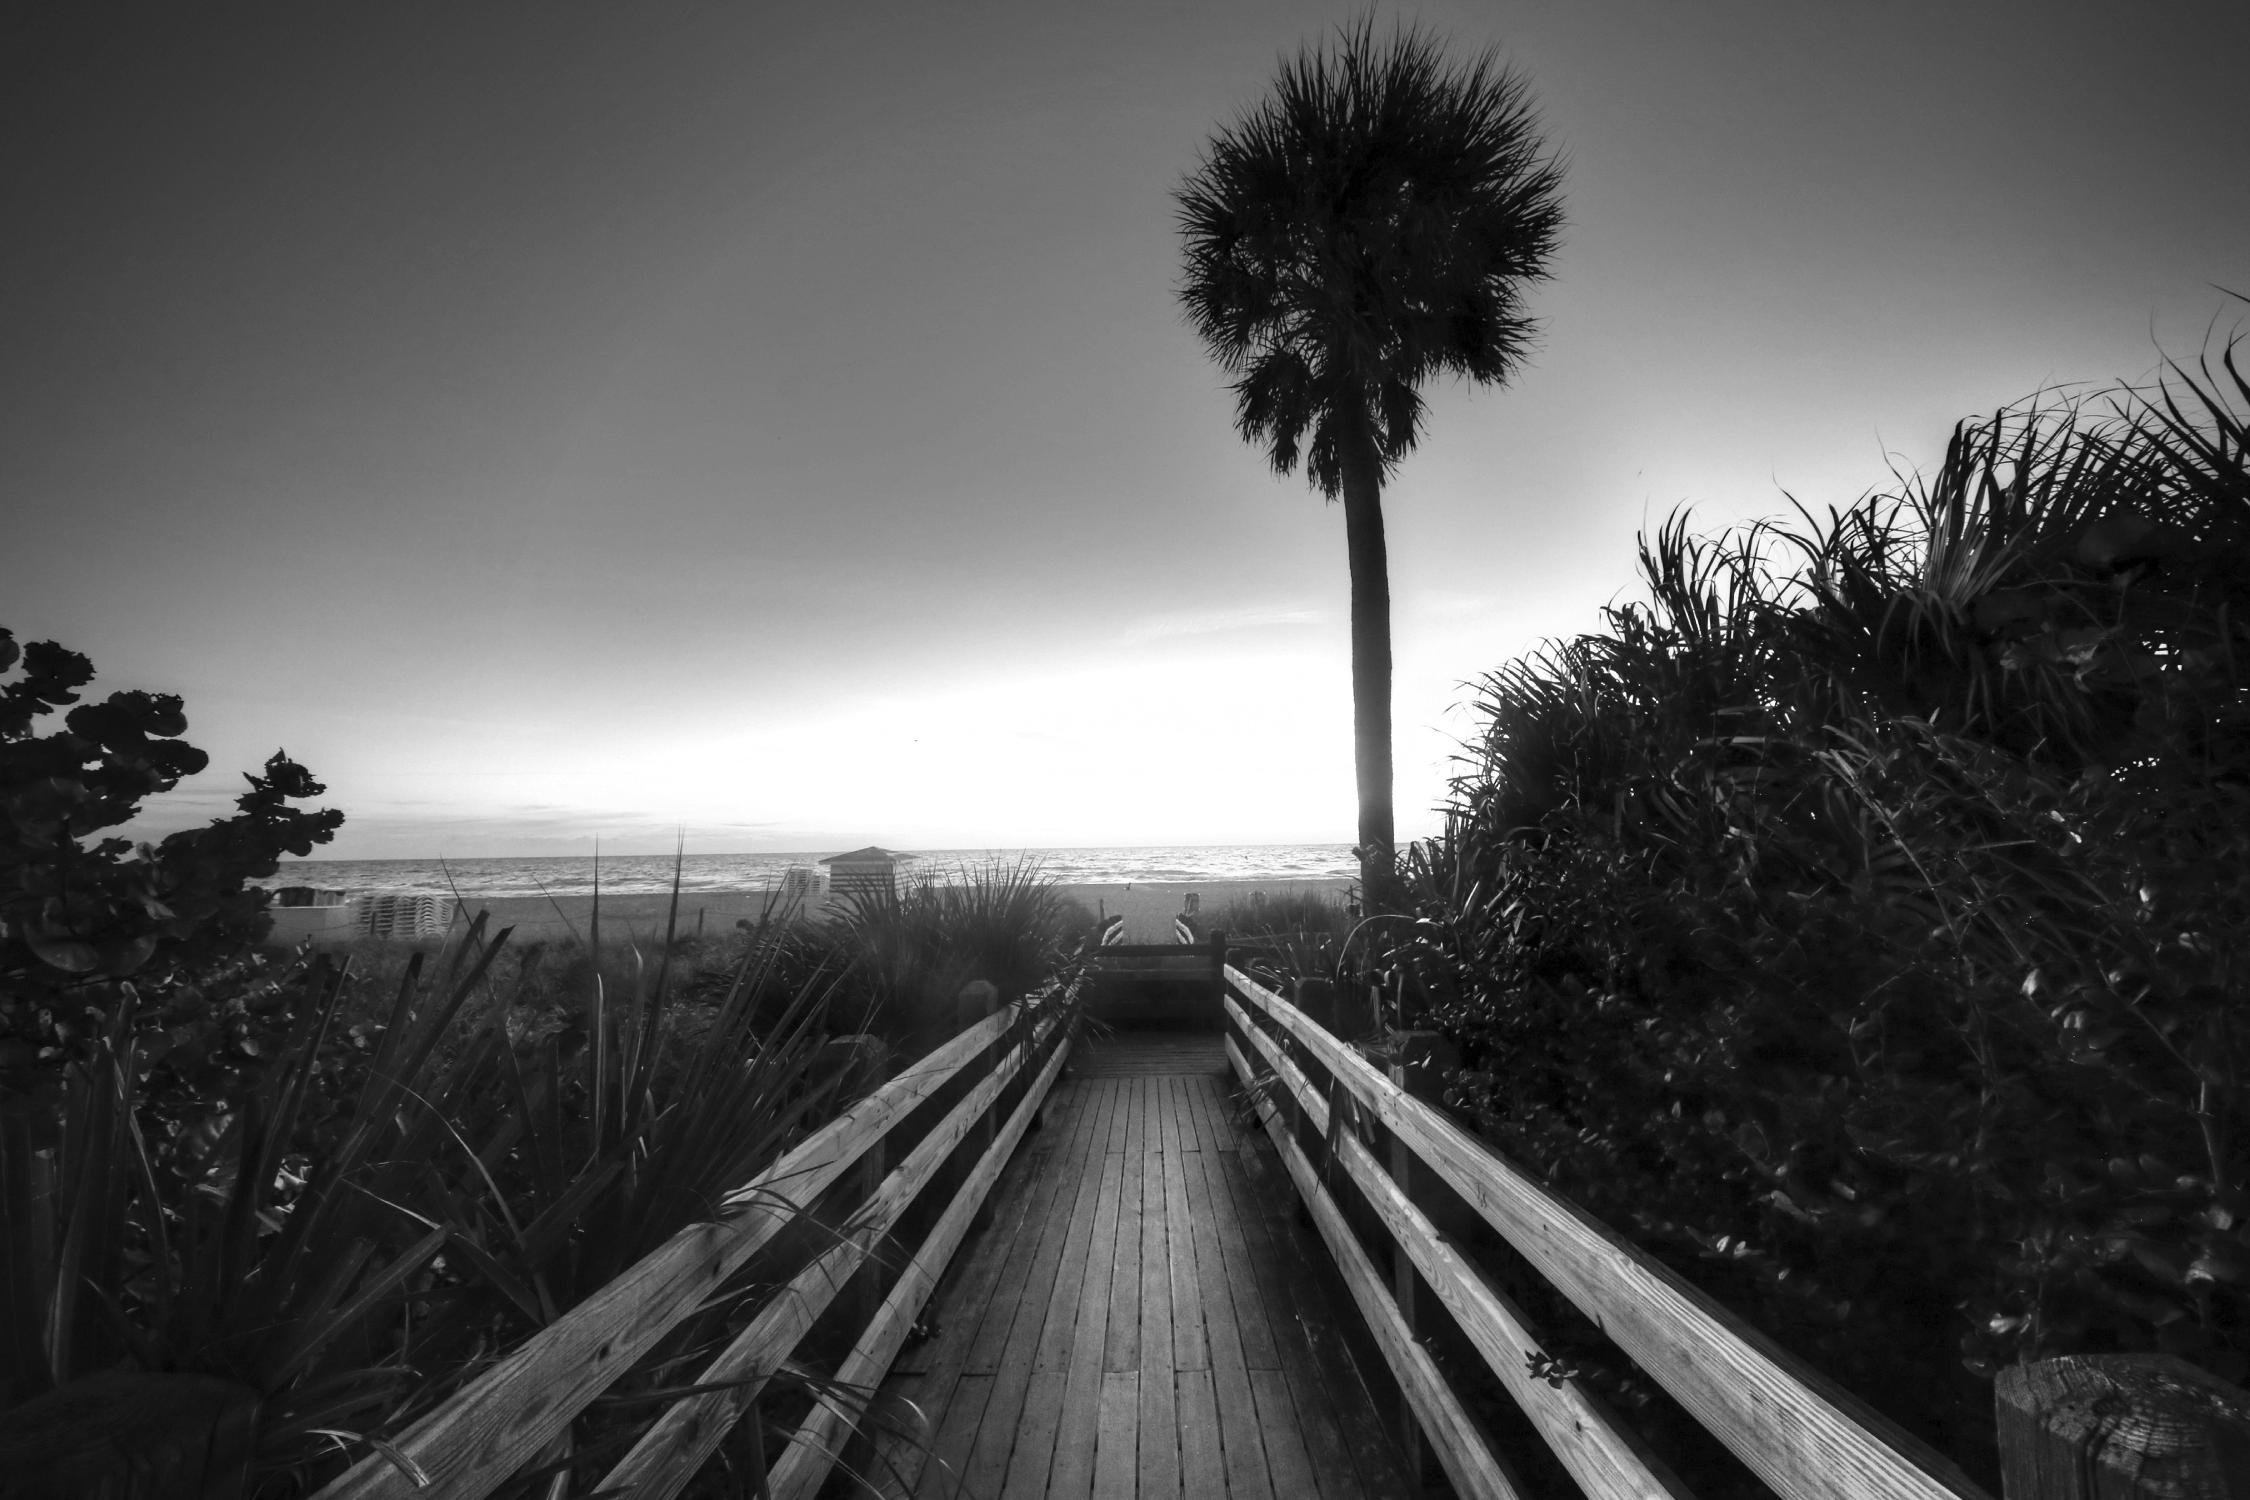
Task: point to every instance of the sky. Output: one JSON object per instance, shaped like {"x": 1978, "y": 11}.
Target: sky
{"x": 774, "y": 426}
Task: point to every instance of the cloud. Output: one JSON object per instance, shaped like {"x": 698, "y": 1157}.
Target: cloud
{"x": 1193, "y": 622}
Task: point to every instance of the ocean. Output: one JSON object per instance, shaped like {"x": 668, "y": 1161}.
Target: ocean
{"x": 652, "y": 873}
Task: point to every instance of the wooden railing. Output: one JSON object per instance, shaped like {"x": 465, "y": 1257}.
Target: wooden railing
{"x": 877, "y": 1156}
{"x": 1348, "y": 1131}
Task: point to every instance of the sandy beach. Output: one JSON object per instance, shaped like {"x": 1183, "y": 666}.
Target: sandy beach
{"x": 1148, "y": 907}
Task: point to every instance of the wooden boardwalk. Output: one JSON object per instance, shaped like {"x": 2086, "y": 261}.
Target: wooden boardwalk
{"x": 1140, "y": 1318}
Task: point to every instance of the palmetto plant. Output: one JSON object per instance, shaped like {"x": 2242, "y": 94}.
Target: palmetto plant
{"x": 347, "y": 1246}
{"x": 908, "y": 950}
{"x": 1858, "y": 920}
{"x": 1368, "y": 227}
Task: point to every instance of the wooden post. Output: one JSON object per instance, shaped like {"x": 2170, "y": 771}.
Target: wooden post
{"x": 2121, "y": 1427}
{"x": 1317, "y": 999}
{"x": 1419, "y": 1062}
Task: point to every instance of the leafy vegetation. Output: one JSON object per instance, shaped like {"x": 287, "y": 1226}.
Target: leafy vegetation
{"x": 93, "y": 928}
{"x": 1366, "y": 228}
{"x": 257, "y": 1216}
{"x": 1859, "y": 923}
{"x": 909, "y": 949}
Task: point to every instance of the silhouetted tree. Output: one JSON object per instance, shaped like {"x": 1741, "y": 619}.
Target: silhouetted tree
{"x": 1369, "y": 225}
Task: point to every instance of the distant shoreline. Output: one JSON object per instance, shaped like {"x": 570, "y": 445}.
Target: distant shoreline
{"x": 710, "y": 877}
{"x": 1147, "y": 906}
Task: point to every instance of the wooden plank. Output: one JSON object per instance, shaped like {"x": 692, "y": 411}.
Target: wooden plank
{"x": 1017, "y": 1203}
{"x": 949, "y": 1454}
{"x": 1216, "y": 1113}
{"x": 1001, "y": 1433}
{"x": 895, "y": 1464}
{"x": 1222, "y": 1339}
{"x": 1187, "y": 1119}
{"x": 1036, "y": 1430}
{"x": 1136, "y": 1114}
{"x": 1800, "y": 1432}
{"x": 1607, "y": 1459}
{"x": 1242, "y": 1442}
{"x": 898, "y": 1461}
{"x": 1064, "y": 1299}
{"x": 1019, "y": 1292}
{"x": 805, "y": 1463}
{"x": 1121, "y": 1116}
{"x": 689, "y": 1431}
{"x": 473, "y": 1442}
{"x": 1159, "y": 1436}
{"x": 1155, "y": 1258}
{"x": 1073, "y": 1470}
{"x": 1203, "y": 1474}
{"x": 1286, "y": 1458}
{"x": 1117, "y": 1449}
{"x": 1191, "y": 1350}
{"x": 1235, "y": 1262}
{"x": 1042, "y": 1406}
{"x": 1476, "y": 1472}
{"x": 1163, "y": 1113}
{"x": 1325, "y": 1391}
{"x": 1123, "y": 1343}
{"x": 1333, "y": 1403}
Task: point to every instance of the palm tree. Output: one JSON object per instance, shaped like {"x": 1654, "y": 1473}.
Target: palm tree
{"x": 1370, "y": 224}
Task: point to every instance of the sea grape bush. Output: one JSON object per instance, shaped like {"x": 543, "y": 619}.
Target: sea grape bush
{"x": 1861, "y": 923}
{"x": 90, "y": 925}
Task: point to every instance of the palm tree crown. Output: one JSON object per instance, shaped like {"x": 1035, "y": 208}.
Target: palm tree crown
{"x": 1367, "y": 226}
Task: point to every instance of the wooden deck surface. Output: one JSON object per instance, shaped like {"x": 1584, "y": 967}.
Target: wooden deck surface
{"x": 1139, "y": 1319}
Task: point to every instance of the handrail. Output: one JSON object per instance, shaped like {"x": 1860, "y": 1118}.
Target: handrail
{"x": 1797, "y": 1430}
{"x": 477, "y": 1440}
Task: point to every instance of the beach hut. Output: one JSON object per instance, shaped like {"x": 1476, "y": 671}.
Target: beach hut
{"x": 863, "y": 872}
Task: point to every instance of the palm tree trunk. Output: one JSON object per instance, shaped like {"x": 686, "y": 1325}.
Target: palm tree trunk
{"x": 1371, "y": 665}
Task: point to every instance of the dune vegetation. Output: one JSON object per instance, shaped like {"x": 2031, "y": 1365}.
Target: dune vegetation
{"x": 1859, "y": 921}
{"x": 260, "y": 1211}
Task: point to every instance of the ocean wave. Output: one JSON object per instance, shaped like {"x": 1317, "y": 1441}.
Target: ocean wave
{"x": 577, "y": 875}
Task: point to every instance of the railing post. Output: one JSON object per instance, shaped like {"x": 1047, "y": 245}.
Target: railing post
{"x": 2121, "y": 1427}
{"x": 1419, "y": 1062}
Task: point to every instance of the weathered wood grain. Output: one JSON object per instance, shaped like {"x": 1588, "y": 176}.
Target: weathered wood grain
{"x": 668, "y": 1454}
{"x": 1072, "y": 1473}
{"x": 1608, "y": 1460}
{"x": 1476, "y": 1472}
{"x": 2121, "y": 1427}
{"x": 1326, "y": 1393}
{"x": 475, "y": 1441}
{"x": 1159, "y": 1436}
{"x": 805, "y": 1463}
{"x": 1797, "y": 1430}
{"x": 1117, "y": 1450}
{"x": 1191, "y": 1350}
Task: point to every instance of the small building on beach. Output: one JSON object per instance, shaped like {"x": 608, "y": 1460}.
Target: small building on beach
{"x": 870, "y": 871}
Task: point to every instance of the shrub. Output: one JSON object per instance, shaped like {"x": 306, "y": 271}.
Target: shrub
{"x": 908, "y": 951}
{"x": 1860, "y": 923}
{"x": 93, "y": 928}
